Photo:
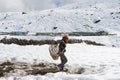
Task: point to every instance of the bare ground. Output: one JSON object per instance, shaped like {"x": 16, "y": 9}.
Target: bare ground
{"x": 21, "y": 69}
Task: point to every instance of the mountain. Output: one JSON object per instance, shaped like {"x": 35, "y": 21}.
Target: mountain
{"x": 85, "y": 16}
{"x": 85, "y": 4}
{"x": 32, "y": 5}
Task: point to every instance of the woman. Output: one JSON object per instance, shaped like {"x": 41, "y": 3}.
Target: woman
{"x": 62, "y": 50}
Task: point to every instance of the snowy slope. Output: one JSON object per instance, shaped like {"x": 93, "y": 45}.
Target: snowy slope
{"x": 85, "y": 4}
{"x": 31, "y": 5}
{"x": 88, "y": 15}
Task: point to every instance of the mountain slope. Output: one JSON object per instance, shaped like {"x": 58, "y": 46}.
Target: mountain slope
{"x": 86, "y": 16}
{"x": 85, "y": 4}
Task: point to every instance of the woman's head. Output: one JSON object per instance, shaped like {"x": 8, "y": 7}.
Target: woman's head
{"x": 65, "y": 38}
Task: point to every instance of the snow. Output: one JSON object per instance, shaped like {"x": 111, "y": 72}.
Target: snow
{"x": 106, "y": 40}
{"x": 99, "y": 62}
{"x": 32, "y": 5}
{"x": 66, "y": 19}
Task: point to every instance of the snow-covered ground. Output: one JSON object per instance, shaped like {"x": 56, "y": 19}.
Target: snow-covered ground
{"x": 100, "y": 62}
